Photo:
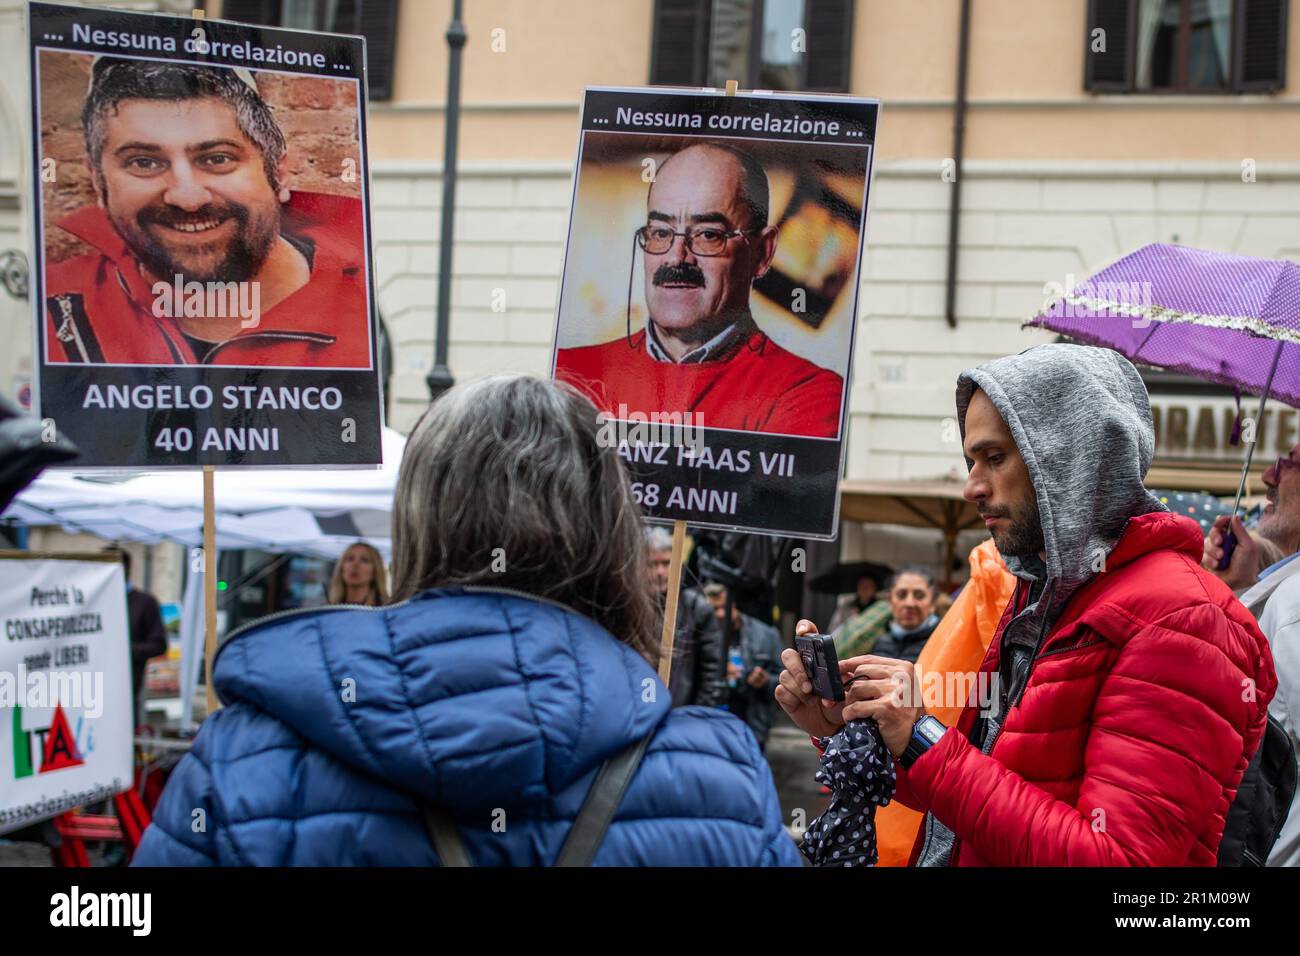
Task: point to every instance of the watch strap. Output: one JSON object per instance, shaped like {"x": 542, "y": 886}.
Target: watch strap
{"x": 917, "y": 743}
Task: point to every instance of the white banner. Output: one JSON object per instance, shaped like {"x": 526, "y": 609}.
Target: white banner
{"x": 66, "y": 714}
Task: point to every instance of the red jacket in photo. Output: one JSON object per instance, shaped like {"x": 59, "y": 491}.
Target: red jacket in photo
{"x": 758, "y": 387}
{"x": 99, "y": 307}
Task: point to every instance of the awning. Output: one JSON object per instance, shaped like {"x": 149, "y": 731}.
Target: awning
{"x": 919, "y": 503}
{"x": 1220, "y": 480}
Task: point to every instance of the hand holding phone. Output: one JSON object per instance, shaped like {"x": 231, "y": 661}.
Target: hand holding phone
{"x": 820, "y": 665}
{"x": 815, "y": 715}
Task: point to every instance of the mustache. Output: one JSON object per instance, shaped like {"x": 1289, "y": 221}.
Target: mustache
{"x": 171, "y": 216}
{"x": 994, "y": 512}
{"x": 682, "y": 273}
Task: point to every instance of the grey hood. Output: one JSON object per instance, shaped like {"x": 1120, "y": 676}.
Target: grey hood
{"x": 1081, "y": 419}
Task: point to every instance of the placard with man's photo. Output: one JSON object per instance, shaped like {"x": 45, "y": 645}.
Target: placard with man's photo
{"x": 709, "y": 293}
{"x": 203, "y": 291}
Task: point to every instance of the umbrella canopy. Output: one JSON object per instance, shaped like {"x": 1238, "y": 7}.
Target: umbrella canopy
{"x": 843, "y": 578}
{"x": 1201, "y": 507}
{"x": 1234, "y": 320}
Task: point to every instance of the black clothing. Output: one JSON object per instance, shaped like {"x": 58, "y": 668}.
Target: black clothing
{"x": 698, "y": 653}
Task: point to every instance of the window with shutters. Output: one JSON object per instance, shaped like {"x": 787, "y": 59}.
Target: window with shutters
{"x": 376, "y": 20}
{"x": 1186, "y": 46}
{"x": 761, "y": 44}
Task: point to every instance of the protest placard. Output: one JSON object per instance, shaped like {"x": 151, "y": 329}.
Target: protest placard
{"x": 708, "y": 297}
{"x": 203, "y": 280}
{"x": 66, "y": 707}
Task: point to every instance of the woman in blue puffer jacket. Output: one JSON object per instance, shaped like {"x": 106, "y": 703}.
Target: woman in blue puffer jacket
{"x": 516, "y": 661}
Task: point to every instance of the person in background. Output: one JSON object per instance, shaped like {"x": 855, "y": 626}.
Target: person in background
{"x": 359, "y": 577}
{"x": 857, "y": 632}
{"x": 483, "y": 704}
{"x": 1269, "y": 554}
{"x": 148, "y": 636}
{"x": 1271, "y": 583}
{"x": 753, "y": 663}
{"x": 698, "y": 648}
{"x": 864, "y": 595}
{"x": 912, "y": 594}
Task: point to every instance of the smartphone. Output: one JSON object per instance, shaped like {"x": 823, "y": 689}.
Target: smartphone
{"x": 820, "y": 663}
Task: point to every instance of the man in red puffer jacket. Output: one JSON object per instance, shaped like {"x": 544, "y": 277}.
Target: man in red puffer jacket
{"x": 1132, "y": 686}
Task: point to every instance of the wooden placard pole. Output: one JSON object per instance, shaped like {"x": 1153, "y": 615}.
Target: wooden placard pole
{"x": 670, "y": 603}
{"x": 209, "y": 582}
{"x": 209, "y": 558}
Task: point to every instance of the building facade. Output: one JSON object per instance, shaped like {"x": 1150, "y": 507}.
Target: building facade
{"x": 1090, "y": 128}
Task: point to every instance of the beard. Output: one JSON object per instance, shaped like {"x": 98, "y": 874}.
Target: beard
{"x": 237, "y": 259}
{"x": 1024, "y": 532}
{"x": 1282, "y": 525}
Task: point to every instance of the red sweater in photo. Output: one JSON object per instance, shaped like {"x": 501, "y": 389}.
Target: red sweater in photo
{"x": 99, "y": 307}
{"x": 757, "y": 387}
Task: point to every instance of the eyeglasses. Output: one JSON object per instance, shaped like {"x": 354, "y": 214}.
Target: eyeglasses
{"x": 1286, "y": 461}
{"x": 702, "y": 241}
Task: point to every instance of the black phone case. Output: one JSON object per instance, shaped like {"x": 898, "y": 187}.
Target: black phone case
{"x": 817, "y": 651}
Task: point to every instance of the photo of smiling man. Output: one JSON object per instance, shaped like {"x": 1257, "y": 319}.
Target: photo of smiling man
{"x": 199, "y": 252}
{"x": 706, "y": 241}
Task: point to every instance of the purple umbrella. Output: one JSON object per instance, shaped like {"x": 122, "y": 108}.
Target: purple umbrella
{"x": 1234, "y": 320}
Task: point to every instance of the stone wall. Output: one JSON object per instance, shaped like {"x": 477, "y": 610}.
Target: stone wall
{"x": 1023, "y": 226}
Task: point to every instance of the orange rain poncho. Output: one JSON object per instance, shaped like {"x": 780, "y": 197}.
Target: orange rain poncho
{"x": 958, "y": 645}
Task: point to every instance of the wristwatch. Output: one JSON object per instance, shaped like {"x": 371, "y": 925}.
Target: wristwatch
{"x": 925, "y": 734}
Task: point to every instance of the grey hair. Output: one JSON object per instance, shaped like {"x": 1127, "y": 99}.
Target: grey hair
{"x": 657, "y": 539}
{"x": 505, "y": 483}
{"x": 113, "y": 79}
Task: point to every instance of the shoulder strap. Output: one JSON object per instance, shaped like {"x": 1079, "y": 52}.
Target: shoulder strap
{"x": 444, "y": 836}
{"x": 606, "y": 793}
{"x": 588, "y": 830}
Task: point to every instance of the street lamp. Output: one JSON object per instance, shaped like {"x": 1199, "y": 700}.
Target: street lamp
{"x": 440, "y": 378}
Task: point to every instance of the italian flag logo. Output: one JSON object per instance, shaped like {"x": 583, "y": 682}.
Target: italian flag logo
{"x": 55, "y": 745}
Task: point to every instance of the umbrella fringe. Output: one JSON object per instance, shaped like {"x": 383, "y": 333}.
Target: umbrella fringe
{"x": 1158, "y": 313}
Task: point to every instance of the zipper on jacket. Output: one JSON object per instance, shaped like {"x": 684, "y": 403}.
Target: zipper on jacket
{"x": 67, "y": 330}
{"x": 1072, "y": 647}
{"x": 318, "y": 338}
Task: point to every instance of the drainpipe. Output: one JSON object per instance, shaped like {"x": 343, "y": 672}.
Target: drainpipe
{"x": 958, "y": 146}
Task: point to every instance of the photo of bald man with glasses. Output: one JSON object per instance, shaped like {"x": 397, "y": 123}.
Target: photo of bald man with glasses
{"x": 705, "y": 241}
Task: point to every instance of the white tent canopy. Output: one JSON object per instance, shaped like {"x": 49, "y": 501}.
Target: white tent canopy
{"x": 314, "y": 511}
